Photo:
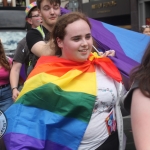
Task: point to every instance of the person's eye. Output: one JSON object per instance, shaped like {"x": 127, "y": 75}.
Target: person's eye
{"x": 46, "y": 8}
{"x": 36, "y": 15}
{"x": 76, "y": 39}
{"x": 56, "y": 7}
{"x": 88, "y": 37}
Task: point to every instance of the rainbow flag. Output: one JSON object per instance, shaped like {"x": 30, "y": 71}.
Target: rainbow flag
{"x": 55, "y": 104}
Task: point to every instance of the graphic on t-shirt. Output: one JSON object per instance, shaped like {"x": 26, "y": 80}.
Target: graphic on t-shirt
{"x": 105, "y": 100}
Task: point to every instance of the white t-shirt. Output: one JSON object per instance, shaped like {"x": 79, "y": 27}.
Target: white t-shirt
{"x": 96, "y": 132}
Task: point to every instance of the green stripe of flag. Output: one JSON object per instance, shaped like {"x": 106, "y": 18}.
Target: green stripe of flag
{"x": 68, "y": 104}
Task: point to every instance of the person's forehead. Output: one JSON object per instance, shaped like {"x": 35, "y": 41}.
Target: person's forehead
{"x": 78, "y": 22}
{"x": 50, "y": 2}
{"x": 147, "y": 29}
{"x": 78, "y": 26}
{"x": 35, "y": 12}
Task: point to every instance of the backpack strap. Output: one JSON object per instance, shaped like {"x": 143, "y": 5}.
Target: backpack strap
{"x": 127, "y": 98}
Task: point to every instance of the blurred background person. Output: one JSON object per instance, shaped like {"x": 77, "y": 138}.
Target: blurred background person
{"x": 22, "y": 52}
{"x": 5, "y": 89}
{"x": 32, "y": 16}
{"x": 145, "y": 29}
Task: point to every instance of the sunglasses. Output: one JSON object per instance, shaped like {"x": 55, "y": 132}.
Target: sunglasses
{"x": 145, "y": 26}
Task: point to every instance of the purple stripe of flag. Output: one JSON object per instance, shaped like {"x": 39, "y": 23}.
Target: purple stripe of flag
{"x": 30, "y": 143}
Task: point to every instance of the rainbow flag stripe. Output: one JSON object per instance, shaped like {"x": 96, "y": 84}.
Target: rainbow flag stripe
{"x": 55, "y": 105}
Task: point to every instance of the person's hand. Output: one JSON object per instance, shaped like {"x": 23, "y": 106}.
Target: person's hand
{"x": 107, "y": 53}
{"x": 15, "y": 94}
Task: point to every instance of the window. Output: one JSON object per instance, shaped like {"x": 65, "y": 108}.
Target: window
{"x": 10, "y": 38}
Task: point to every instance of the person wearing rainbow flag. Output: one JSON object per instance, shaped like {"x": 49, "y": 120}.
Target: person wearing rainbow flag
{"x": 70, "y": 101}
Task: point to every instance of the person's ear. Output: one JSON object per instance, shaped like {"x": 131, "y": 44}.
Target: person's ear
{"x": 29, "y": 20}
{"x": 59, "y": 42}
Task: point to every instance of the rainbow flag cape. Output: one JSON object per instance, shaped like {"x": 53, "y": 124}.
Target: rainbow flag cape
{"x": 55, "y": 104}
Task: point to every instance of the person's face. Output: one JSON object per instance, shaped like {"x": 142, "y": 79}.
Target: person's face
{"x": 146, "y": 31}
{"x": 49, "y": 12}
{"x": 35, "y": 19}
{"x": 77, "y": 43}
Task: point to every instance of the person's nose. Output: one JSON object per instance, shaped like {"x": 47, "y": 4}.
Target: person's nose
{"x": 51, "y": 11}
{"x": 84, "y": 42}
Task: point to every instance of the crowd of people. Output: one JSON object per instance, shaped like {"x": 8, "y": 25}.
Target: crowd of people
{"x": 72, "y": 97}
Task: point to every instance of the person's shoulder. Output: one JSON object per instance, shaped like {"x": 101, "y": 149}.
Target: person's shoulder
{"x": 22, "y": 41}
{"x": 32, "y": 32}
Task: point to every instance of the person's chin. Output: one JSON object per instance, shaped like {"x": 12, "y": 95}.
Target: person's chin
{"x": 52, "y": 22}
{"x": 82, "y": 59}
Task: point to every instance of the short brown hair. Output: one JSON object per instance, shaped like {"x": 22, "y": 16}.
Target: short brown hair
{"x": 51, "y": 2}
{"x": 61, "y": 24}
{"x": 30, "y": 13}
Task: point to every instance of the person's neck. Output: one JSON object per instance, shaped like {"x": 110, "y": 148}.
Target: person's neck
{"x": 48, "y": 27}
{"x": 33, "y": 27}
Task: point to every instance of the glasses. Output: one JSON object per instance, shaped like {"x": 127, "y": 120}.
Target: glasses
{"x": 35, "y": 16}
{"x": 145, "y": 26}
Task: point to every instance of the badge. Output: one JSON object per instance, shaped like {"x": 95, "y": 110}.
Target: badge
{"x": 3, "y": 124}
{"x": 111, "y": 122}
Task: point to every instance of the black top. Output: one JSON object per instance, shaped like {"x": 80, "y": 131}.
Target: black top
{"x": 33, "y": 36}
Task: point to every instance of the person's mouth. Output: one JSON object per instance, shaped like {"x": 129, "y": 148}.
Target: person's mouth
{"x": 52, "y": 18}
{"x": 84, "y": 50}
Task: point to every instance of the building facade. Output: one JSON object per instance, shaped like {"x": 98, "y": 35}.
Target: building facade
{"x": 115, "y": 12}
{"x": 130, "y": 14}
{"x": 23, "y": 3}
{"x": 144, "y": 12}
